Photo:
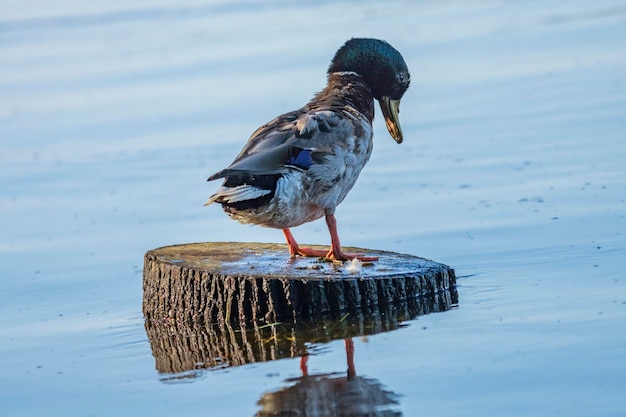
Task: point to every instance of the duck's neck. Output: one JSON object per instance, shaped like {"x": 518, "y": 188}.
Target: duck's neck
{"x": 345, "y": 88}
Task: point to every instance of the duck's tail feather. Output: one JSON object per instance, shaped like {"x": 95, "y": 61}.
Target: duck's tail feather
{"x": 230, "y": 195}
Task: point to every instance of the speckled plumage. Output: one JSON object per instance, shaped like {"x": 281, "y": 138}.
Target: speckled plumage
{"x": 298, "y": 167}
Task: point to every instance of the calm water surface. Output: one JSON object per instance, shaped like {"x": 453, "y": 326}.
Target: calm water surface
{"x": 112, "y": 114}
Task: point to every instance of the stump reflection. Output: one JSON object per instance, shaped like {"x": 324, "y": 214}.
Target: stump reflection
{"x": 183, "y": 350}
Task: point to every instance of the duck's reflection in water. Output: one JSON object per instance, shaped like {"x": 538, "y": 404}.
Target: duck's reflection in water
{"x": 330, "y": 394}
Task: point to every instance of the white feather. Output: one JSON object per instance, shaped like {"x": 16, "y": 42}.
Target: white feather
{"x": 238, "y": 193}
{"x": 354, "y": 266}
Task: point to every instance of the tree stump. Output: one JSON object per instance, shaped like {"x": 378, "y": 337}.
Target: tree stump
{"x": 243, "y": 283}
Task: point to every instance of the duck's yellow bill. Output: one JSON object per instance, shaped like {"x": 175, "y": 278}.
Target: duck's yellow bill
{"x": 391, "y": 109}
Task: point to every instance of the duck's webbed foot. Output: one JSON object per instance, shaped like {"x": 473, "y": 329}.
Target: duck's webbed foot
{"x": 335, "y": 253}
{"x": 296, "y": 250}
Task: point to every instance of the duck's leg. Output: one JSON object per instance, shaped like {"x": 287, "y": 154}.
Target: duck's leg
{"x": 335, "y": 252}
{"x": 295, "y": 250}
{"x": 304, "y": 367}
{"x": 350, "y": 357}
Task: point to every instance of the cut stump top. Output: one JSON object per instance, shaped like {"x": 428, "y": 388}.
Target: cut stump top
{"x": 272, "y": 261}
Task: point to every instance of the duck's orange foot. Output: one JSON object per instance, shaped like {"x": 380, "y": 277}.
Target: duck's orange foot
{"x": 334, "y": 254}
{"x": 341, "y": 256}
{"x": 311, "y": 253}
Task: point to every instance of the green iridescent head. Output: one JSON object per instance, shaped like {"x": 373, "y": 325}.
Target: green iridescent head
{"x": 384, "y": 71}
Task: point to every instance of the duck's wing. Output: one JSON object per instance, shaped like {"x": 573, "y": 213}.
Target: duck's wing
{"x": 294, "y": 140}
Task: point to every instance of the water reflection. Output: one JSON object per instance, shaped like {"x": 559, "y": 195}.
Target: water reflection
{"x": 328, "y": 394}
{"x": 183, "y": 350}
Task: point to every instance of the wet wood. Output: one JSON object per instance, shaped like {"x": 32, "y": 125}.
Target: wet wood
{"x": 240, "y": 283}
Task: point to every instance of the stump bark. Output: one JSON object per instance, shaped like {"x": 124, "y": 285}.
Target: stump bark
{"x": 242, "y": 283}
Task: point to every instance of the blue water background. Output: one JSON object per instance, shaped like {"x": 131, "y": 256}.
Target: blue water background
{"x": 113, "y": 114}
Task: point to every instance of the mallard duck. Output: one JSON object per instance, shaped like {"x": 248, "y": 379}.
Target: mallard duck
{"x": 298, "y": 167}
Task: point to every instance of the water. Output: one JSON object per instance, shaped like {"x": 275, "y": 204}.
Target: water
{"x": 113, "y": 113}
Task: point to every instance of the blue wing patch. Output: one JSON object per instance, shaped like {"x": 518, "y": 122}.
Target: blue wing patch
{"x": 300, "y": 158}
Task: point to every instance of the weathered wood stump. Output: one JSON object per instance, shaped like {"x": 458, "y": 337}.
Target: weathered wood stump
{"x": 242, "y": 283}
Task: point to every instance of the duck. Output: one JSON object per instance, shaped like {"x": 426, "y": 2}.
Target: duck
{"x": 300, "y": 166}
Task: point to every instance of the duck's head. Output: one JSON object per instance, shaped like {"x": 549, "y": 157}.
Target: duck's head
{"x": 384, "y": 71}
